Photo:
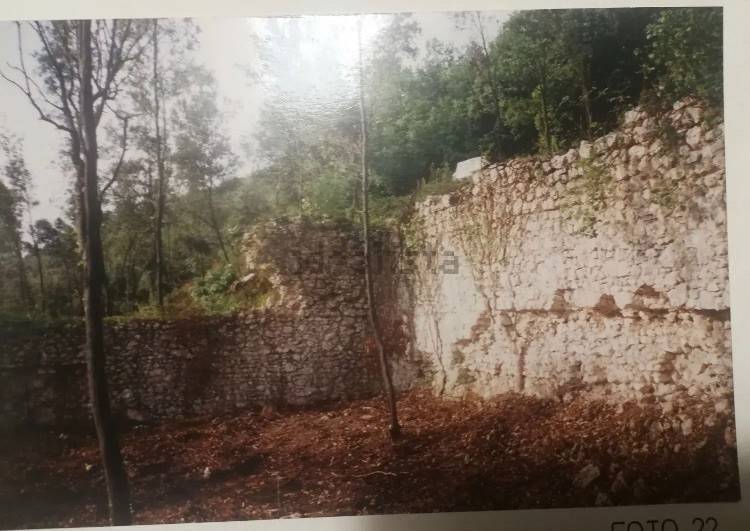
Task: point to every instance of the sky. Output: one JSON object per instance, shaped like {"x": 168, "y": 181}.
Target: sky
{"x": 234, "y": 49}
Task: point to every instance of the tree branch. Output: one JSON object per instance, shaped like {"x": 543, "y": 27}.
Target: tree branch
{"x": 41, "y": 113}
{"x": 66, "y": 95}
{"x": 124, "y": 149}
{"x": 26, "y": 88}
{"x": 36, "y": 87}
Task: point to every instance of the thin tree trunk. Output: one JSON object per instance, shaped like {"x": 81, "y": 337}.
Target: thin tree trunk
{"x": 40, "y": 271}
{"x": 545, "y": 115}
{"x": 80, "y": 199}
{"x": 37, "y": 254}
{"x": 166, "y": 256}
{"x": 23, "y": 281}
{"x": 585, "y": 79}
{"x": 126, "y": 268}
{"x": 394, "y": 429}
{"x": 112, "y": 462}
{"x": 69, "y": 282}
{"x": 109, "y": 300}
{"x": 151, "y": 268}
{"x": 159, "y": 217}
{"x": 544, "y": 104}
{"x": 355, "y": 189}
{"x": 300, "y": 180}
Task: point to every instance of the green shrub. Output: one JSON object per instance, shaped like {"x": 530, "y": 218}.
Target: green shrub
{"x": 212, "y": 291}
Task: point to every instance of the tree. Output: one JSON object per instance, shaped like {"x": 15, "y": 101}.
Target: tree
{"x": 20, "y": 181}
{"x": 304, "y": 139}
{"x": 601, "y": 45}
{"x": 394, "y": 428}
{"x": 396, "y": 152}
{"x": 569, "y": 74}
{"x": 684, "y": 54}
{"x": 139, "y": 215}
{"x": 486, "y": 67}
{"x": 57, "y": 244}
{"x": 431, "y": 106}
{"x": 203, "y": 155}
{"x": 161, "y": 174}
{"x": 117, "y": 486}
{"x": 534, "y": 70}
{"x": 176, "y": 38}
{"x": 128, "y": 234}
{"x": 10, "y": 230}
{"x": 82, "y": 66}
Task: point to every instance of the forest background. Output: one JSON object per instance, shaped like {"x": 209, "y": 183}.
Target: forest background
{"x": 177, "y": 191}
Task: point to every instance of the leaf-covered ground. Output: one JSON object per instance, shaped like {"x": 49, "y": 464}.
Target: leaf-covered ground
{"x": 506, "y": 453}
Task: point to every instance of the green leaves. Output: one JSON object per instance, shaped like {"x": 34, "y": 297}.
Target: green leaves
{"x": 559, "y": 76}
{"x": 684, "y": 54}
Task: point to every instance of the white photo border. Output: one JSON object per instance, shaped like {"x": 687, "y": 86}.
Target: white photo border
{"x": 669, "y": 517}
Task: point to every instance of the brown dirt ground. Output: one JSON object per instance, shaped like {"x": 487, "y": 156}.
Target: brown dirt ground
{"x": 507, "y": 453}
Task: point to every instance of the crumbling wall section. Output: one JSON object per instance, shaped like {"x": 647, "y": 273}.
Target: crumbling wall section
{"x": 307, "y": 345}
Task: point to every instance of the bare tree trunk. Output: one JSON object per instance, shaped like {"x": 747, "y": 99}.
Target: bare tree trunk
{"x": 545, "y": 112}
{"x": 70, "y": 282}
{"x": 23, "y": 281}
{"x": 166, "y": 256}
{"x": 585, "y": 79}
{"x": 355, "y": 189}
{"x": 159, "y": 217}
{"x": 40, "y": 270}
{"x": 37, "y": 254}
{"x": 545, "y": 124}
{"x": 394, "y": 429}
{"x": 112, "y": 462}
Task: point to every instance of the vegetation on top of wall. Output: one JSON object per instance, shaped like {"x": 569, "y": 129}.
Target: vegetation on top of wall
{"x": 219, "y": 292}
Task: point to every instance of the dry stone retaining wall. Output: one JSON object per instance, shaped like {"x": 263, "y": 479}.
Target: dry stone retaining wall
{"x": 306, "y": 346}
{"x": 603, "y": 270}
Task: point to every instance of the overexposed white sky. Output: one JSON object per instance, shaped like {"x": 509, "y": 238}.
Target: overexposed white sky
{"x": 316, "y": 75}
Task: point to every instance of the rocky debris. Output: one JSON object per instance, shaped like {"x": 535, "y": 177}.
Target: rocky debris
{"x": 619, "y": 485}
{"x": 586, "y": 476}
{"x": 723, "y": 405}
{"x": 134, "y": 415}
{"x": 693, "y": 136}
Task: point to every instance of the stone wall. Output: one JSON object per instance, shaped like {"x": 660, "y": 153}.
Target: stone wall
{"x": 307, "y": 345}
{"x": 602, "y": 270}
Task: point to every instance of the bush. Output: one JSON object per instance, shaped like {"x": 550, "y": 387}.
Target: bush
{"x": 212, "y": 291}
